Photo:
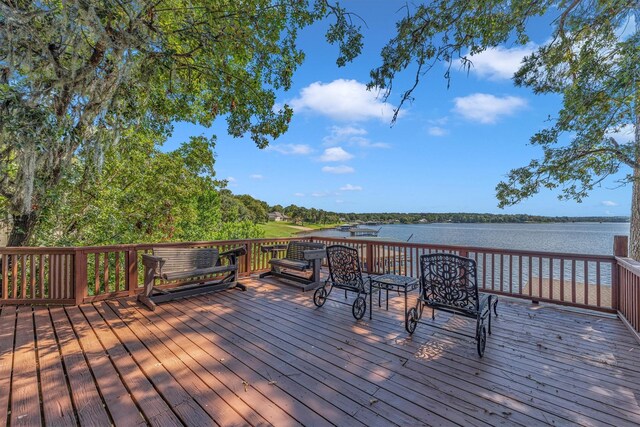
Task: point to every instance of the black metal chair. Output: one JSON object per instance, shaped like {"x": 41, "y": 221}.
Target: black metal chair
{"x": 449, "y": 283}
{"x": 344, "y": 273}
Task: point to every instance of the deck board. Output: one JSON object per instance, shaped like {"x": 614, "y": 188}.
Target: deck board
{"x": 202, "y": 364}
{"x": 88, "y": 404}
{"x": 176, "y": 364}
{"x": 25, "y": 402}
{"x": 184, "y": 406}
{"x": 119, "y": 402}
{"x": 58, "y": 411}
{"x": 408, "y": 387}
{"x": 268, "y": 356}
{"x": 254, "y": 373}
{"x": 357, "y": 374}
{"x": 7, "y": 333}
{"x": 366, "y": 355}
{"x": 155, "y": 410}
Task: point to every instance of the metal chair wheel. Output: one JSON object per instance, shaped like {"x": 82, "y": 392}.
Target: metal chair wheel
{"x": 481, "y": 338}
{"x": 411, "y": 320}
{"x": 320, "y": 297}
{"x": 359, "y": 308}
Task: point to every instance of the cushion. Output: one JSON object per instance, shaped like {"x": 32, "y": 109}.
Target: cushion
{"x": 289, "y": 263}
{"x": 174, "y": 275}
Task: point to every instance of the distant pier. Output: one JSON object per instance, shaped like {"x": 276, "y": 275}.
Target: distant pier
{"x": 362, "y": 232}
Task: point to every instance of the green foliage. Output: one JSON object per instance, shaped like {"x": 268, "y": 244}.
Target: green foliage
{"x": 597, "y": 72}
{"x": 304, "y": 215}
{"x": 258, "y": 210}
{"x": 143, "y": 195}
{"x": 76, "y": 77}
{"x": 587, "y": 62}
{"x": 239, "y": 230}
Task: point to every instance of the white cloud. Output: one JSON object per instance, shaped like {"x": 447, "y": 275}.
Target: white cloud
{"x": 339, "y": 201}
{"x": 342, "y": 133}
{"x": 256, "y": 176}
{"x": 231, "y": 179}
{"x": 343, "y": 100}
{"x": 335, "y": 154}
{"x": 366, "y": 143}
{"x": 338, "y": 169}
{"x": 441, "y": 121}
{"x": 350, "y": 187}
{"x": 300, "y": 149}
{"x": 298, "y": 194}
{"x": 319, "y": 194}
{"x": 499, "y": 63}
{"x": 622, "y": 134}
{"x": 609, "y": 203}
{"x": 437, "y": 131}
{"x": 486, "y": 108}
{"x": 353, "y": 136}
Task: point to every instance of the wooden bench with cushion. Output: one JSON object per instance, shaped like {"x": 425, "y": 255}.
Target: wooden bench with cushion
{"x": 202, "y": 265}
{"x": 299, "y": 256}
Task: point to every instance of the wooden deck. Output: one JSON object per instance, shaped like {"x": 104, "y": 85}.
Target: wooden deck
{"x": 269, "y": 357}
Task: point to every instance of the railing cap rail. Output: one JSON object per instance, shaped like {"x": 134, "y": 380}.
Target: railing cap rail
{"x": 36, "y": 250}
{"x": 133, "y": 246}
{"x": 629, "y": 263}
{"x": 146, "y": 246}
{"x": 543, "y": 254}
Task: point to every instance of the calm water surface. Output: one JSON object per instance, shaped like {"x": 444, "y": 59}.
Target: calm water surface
{"x": 584, "y": 237}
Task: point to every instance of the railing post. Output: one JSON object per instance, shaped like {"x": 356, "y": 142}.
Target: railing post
{"x": 248, "y": 257}
{"x": 621, "y": 246}
{"x": 620, "y": 249}
{"x": 369, "y": 257}
{"x": 132, "y": 270}
{"x": 5, "y": 277}
{"x": 79, "y": 275}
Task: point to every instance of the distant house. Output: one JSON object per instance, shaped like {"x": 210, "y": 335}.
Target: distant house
{"x": 277, "y": 216}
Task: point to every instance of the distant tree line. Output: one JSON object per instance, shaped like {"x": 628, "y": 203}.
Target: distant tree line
{"x": 318, "y": 216}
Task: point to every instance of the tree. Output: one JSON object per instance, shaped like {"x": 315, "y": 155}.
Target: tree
{"x": 592, "y": 61}
{"x": 172, "y": 196}
{"x": 77, "y": 75}
{"x": 258, "y": 210}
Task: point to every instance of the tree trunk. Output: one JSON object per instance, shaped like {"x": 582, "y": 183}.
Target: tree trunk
{"x": 634, "y": 230}
{"x": 22, "y": 228}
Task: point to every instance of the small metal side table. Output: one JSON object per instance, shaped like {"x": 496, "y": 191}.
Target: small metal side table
{"x": 393, "y": 282}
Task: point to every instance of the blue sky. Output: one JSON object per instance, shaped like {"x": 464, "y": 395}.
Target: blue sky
{"x": 446, "y": 153}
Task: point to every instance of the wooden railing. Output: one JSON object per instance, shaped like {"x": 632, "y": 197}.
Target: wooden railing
{"x": 585, "y": 281}
{"x": 629, "y": 293}
{"x": 84, "y": 274}
{"x": 37, "y": 275}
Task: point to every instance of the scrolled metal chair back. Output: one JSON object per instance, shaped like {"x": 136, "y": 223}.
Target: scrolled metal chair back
{"x": 449, "y": 280}
{"x": 344, "y": 266}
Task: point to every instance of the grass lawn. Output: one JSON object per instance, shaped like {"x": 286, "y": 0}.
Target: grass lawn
{"x": 285, "y": 229}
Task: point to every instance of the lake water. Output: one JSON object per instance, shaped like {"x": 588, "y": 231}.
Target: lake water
{"x": 584, "y": 237}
